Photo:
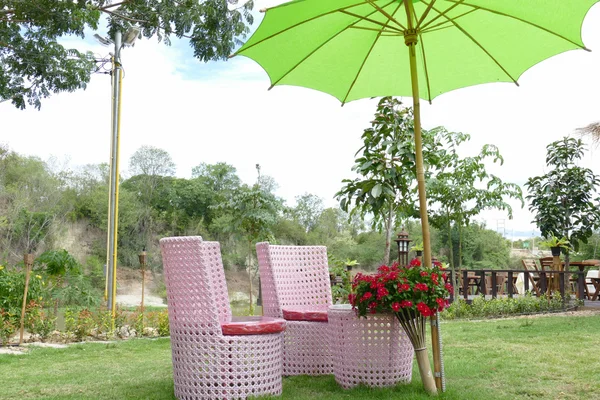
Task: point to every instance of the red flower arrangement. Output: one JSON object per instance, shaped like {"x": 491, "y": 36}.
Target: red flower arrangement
{"x": 408, "y": 290}
{"x": 412, "y": 293}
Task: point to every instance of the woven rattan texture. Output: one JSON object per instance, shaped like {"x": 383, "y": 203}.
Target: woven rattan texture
{"x": 374, "y": 351}
{"x": 206, "y": 364}
{"x": 298, "y": 276}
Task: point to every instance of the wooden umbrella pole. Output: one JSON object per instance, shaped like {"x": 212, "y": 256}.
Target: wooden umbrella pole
{"x": 410, "y": 39}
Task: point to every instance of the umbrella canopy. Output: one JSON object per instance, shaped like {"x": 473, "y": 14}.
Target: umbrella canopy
{"x": 354, "y": 49}
{"x": 357, "y": 48}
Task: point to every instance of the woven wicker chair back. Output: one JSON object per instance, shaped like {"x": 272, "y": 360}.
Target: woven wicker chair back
{"x": 293, "y": 276}
{"x": 197, "y": 290}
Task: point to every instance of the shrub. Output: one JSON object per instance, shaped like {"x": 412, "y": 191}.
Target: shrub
{"x": 163, "y": 323}
{"x": 77, "y": 292}
{"x": 8, "y": 326}
{"x": 12, "y": 287}
{"x": 337, "y": 267}
{"x": 102, "y": 322}
{"x": 38, "y": 321}
{"x": 79, "y": 323}
{"x": 501, "y": 307}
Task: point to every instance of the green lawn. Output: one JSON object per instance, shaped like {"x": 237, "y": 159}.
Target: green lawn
{"x": 551, "y": 357}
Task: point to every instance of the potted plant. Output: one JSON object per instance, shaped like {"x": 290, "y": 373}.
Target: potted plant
{"x": 418, "y": 248}
{"x": 556, "y": 244}
{"x": 350, "y": 264}
{"x": 412, "y": 294}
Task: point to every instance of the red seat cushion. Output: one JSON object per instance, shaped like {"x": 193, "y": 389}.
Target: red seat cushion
{"x": 252, "y": 326}
{"x": 316, "y": 313}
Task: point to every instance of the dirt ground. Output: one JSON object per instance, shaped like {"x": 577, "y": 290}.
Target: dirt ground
{"x": 129, "y": 287}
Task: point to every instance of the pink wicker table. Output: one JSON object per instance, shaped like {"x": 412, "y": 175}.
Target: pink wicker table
{"x": 374, "y": 351}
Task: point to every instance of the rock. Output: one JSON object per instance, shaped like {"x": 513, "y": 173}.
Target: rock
{"x": 239, "y": 297}
{"x": 150, "y": 332}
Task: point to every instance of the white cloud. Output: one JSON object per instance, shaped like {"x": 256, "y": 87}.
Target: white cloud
{"x": 301, "y": 137}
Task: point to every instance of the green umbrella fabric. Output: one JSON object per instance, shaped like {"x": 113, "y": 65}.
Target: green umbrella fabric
{"x": 354, "y": 49}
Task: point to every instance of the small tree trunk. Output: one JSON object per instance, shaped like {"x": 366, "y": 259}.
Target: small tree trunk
{"x": 452, "y": 267}
{"x": 459, "y": 245}
{"x": 388, "y": 235}
{"x": 251, "y": 309}
{"x": 28, "y": 258}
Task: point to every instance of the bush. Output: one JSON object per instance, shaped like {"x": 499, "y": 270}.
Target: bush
{"x": 12, "y": 287}
{"x": 502, "y": 307}
{"x": 163, "y": 323}
{"x": 38, "y": 321}
{"x": 8, "y": 326}
{"x": 337, "y": 267}
{"x": 79, "y": 323}
{"x": 77, "y": 292}
{"x": 95, "y": 271}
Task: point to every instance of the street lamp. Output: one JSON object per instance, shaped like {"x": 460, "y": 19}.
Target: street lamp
{"x": 403, "y": 241}
{"x": 110, "y": 289}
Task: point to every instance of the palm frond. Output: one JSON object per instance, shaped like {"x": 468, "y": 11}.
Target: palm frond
{"x": 592, "y": 131}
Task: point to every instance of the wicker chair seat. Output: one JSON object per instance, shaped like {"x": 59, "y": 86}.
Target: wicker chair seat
{"x": 305, "y": 313}
{"x": 252, "y": 326}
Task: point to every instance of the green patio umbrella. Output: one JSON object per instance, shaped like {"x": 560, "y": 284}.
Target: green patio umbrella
{"x": 354, "y": 49}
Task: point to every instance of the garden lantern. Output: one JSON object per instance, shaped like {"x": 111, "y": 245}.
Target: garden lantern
{"x": 403, "y": 242}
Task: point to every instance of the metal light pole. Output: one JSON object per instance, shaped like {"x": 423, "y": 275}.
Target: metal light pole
{"x": 110, "y": 291}
{"x": 113, "y": 193}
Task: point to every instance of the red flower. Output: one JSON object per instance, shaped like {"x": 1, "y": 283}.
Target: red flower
{"x": 372, "y": 307}
{"x": 352, "y": 298}
{"x": 415, "y": 262}
{"x": 424, "y": 273}
{"x": 424, "y": 310}
{"x": 421, "y": 287}
{"x": 396, "y": 306}
{"x": 366, "y": 296}
{"x": 383, "y": 269}
{"x": 441, "y": 303}
{"x": 434, "y": 278}
{"x": 382, "y": 292}
{"x": 404, "y": 287}
{"x": 449, "y": 287}
{"x": 406, "y": 303}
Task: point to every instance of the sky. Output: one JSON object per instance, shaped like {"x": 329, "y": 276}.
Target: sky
{"x": 222, "y": 112}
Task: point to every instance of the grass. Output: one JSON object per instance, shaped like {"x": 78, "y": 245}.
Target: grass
{"x": 551, "y": 357}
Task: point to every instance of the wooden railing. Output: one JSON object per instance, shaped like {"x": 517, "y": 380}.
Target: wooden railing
{"x": 473, "y": 282}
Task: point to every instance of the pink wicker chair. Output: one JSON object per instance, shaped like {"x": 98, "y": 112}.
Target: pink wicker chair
{"x": 215, "y": 355}
{"x": 296, "y": 287}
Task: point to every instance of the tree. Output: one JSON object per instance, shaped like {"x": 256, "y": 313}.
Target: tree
{"x": 307, "y": 211}
{"x": 386, "y": 186}
{"x": 33, "y": 64}
{"x": 253, "y": 212}
{"x": 565, "y": 200}
{"x": 151, "y": 161}
{"x": 461, "y": 190}
{"x": 30, "y": 204}
{"x": 220, "y": 177}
